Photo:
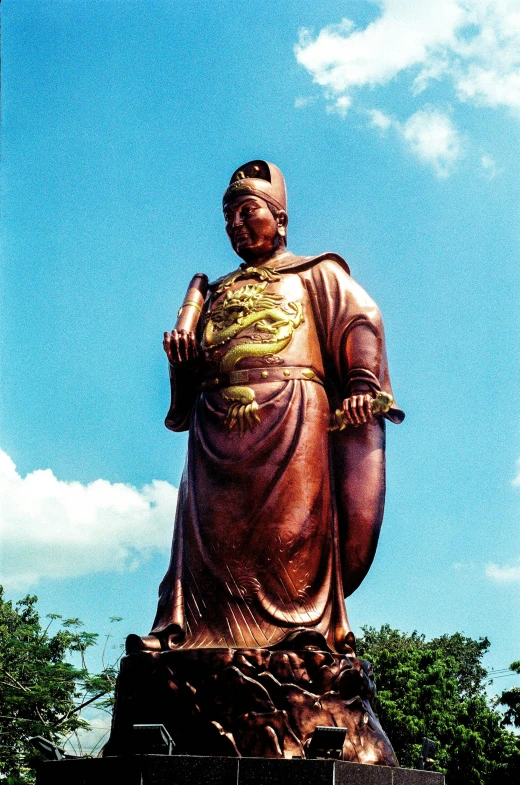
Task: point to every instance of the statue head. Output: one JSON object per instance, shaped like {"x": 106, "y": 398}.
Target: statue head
{"x": 255, "y": 205}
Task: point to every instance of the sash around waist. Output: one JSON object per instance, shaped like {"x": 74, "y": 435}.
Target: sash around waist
{"x": 258, "y": 375}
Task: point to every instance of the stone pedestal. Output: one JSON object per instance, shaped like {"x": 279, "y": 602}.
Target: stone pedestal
{"x": 249, "y": 703}
{"x": 187, "y": 770}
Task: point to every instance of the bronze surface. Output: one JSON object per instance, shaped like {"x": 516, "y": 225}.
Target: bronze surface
{"x": 280, "y": 375}
{"x": 250, "y": 702}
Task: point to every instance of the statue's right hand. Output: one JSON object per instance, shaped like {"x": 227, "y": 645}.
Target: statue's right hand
{"x": 180, "y": 346}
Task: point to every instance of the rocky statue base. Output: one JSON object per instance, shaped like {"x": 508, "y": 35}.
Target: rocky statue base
{"x": 249, "y": 703}
{"x": 184, "y": 770}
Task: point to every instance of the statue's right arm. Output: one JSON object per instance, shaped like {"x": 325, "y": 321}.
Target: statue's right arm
{"x": 181, "y": 350}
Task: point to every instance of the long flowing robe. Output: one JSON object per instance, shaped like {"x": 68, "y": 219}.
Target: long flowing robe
{"x": 277, "y": 516}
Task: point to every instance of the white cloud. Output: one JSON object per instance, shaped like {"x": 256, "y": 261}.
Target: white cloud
{"x": 433, "y": 139}
{"x": 475, "y": 44}
{"x": 341, "y": 57}
{"x": 341, "y": 105}
{"x": 90, "y": 741}
{"x": 465, "y": 567}
{"x": 55, "y": 529}
{"x": 491, "y": 170}
{"x": 508, "y": 574}
{"x": 379, "y": 119}
{"x": 302, "y": 102}
{"x": 429, "y": 134}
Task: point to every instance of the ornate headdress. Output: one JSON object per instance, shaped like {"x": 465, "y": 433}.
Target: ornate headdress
{"x": 259, "y": 178}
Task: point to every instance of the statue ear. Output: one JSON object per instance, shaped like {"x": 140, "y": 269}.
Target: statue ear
{"x": 282, "y": 220}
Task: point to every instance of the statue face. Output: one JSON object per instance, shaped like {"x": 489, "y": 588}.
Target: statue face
{"x": 251, "y": 227}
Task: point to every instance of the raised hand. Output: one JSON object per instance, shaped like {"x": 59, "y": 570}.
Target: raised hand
{"x": 180, "y": 346}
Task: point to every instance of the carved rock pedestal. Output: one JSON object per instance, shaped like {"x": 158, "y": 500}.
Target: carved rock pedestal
{"x": 185, "y": 770}
{"x": 249, "y": 703}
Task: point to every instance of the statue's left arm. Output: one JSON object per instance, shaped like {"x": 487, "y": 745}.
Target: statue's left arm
{"x": 359, "y": 459}
{"x": 353, "y": 345}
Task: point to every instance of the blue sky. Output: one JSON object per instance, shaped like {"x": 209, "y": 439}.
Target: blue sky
{"x": 398, "y": 132}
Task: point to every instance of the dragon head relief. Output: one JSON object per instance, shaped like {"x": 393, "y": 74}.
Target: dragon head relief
{"x": 262, "y": 273}
{"x": 247, "y": 306}
{"x": 238, "y": 304}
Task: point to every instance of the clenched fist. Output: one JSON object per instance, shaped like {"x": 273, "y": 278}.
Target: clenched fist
{"x": 357, "y": 410}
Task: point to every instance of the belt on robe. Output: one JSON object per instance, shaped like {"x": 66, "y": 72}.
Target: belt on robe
{"x": 256, "y": 375}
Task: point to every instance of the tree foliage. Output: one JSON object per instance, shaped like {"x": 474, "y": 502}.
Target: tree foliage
{"x": 41, "y": 693}
{"x": 425, "y": 688}
{"x": 511, "y": 699}
{"x": 437, "y": 689}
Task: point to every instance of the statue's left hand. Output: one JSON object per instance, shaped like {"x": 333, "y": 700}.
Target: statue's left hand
{"x": 357, "y": 410}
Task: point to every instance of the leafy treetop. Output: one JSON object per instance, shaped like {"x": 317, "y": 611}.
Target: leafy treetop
{"x": 41, "y": 694}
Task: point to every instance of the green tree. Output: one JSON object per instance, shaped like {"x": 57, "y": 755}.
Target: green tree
{"x": 41, "y": 693}
{"x": 426, "y": 688}
{"x": 437, "y": 689}
{"x": 511, "y": 699}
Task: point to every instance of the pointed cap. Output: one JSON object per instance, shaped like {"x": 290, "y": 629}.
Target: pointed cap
{"x": 259, "y": 178}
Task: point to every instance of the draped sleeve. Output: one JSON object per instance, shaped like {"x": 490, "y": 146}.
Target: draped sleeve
{"x": 351, "y": 333}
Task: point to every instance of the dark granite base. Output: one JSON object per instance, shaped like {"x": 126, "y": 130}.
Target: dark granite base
{"x": 194, "y": 770}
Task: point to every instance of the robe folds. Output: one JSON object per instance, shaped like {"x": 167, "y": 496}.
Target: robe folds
{"x": 277, "y": 516}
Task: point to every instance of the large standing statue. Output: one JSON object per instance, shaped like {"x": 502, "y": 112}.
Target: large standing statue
{"x": 284, "y": 388}
{"x": 278, "y": 516}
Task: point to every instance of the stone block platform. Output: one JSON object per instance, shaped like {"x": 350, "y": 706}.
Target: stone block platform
{"x": 199, "y": 770}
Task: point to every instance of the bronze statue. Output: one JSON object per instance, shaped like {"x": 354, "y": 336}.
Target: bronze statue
{"x": 278, "y": 516}
{"x": 279, "y": 371}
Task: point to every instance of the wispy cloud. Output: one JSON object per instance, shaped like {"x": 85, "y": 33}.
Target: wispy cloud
{"x": 504, "y": 574}
{"x": 55, "y": 529}
{"x": 379, "y": 119}
{"x": 490, "y": 170}
{"x": 516, "y": 480}
{"x": 304, "y": 100}
{"x": 464, "y": 566}
{"x": 475, "y": 44}
{"x": 429, "y": 134}
{"x": 509, "y": 573}
{"x": 89, "y": 741}
{"x": 341, "y": 105}
{"x": 433, "y": 139}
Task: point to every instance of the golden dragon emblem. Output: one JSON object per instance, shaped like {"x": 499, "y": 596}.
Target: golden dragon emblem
{"x": 274, "y": 325}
